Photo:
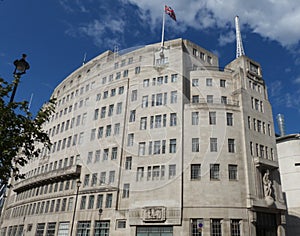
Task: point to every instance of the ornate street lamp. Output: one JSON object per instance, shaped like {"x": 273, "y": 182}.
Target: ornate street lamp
{"x": 78, "y": 184}
{"x": 20, "y": 69}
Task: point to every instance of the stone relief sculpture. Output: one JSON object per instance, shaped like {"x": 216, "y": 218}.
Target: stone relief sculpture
{"x": 267, "y": 184}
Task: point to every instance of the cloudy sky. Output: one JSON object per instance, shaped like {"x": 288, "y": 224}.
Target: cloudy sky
{"x": 57, "y": 33}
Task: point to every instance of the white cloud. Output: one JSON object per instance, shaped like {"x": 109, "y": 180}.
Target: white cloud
{"x": 297, "y": 80}
{"x": 226, "y": 38}
{"x": 272, "y": 19}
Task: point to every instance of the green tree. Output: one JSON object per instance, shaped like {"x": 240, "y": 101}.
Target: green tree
{"x": 21, "y": 134}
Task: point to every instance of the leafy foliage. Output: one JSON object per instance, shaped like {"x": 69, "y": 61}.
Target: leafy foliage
{"x": 20, "y": 133}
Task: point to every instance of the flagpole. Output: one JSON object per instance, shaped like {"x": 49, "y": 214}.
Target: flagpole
{"x": 163, "y": 30}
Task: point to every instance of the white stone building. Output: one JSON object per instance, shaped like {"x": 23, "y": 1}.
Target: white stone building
{"x": 288, "y": 147}
{"x": 164, "y": 143}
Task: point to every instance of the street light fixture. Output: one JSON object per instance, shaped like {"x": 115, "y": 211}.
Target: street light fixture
{"x": 78, "y": 184}
{"x": 20, "y": 69}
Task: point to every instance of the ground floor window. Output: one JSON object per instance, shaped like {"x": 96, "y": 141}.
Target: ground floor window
{"x": 216, "y": 227}
{"x": 51, "y": 229}
{"x": 197, "y": 225}
{"x": 63, "y": 229}
{"x": 83, "y": 228}
{"x": 154, "y": 231}
{"x": 40, "y": 229}
{"x": 101, "y": 228}
{"x": 235, "y": 227}
{"x": 20, "y": 230}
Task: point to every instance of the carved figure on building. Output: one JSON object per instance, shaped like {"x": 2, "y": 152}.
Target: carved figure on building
{"x": 154, "y": 214}
{"x": 267, "y": 184}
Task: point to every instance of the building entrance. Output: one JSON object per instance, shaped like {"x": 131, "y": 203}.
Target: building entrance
{"x": 154, "y": 231}
{"x": 266, "y": 224}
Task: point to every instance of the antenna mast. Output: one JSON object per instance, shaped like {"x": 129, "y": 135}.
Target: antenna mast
{"x": 239, "y": 43}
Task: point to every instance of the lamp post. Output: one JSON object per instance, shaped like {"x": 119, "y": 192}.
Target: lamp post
{"x": 78, "y": 183}
{"x": 20, "y": 69}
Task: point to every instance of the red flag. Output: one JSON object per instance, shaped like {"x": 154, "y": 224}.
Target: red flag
{"x": 170, "y": 12}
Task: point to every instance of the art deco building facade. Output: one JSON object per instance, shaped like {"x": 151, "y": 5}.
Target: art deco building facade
{"x": 164, "y": 142}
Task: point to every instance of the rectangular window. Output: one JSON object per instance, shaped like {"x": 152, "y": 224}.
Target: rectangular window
{"x": 94, "y": 179}
{"x": 146, "y": 82}
{"x": 159, "y": 99}
{"x": 195, "y": 145}
{"x": 195, "y": 82}
{"x": 212, "y": 117}
{"x": 174, "y": 78}
{"x": 101, "y": 228}
{"x": 128, "y": 163}
{"x": 108, "y": 202}
{"x": 50, "y": 229}
{"x": 213, "y": 144}
{"x": 235, "y": 227}
{"x": 114, "y": 153}
{"x": 232, "y": 172}
{"x": 100, "y": 132}
{"x": 195, "y": 118}
{"x": 121, "y": 90}
{"x": 96, "y": 114}
{"x": 222, "y": 83}
{"x": 93, "y": 134}
{"x": 209, "y": 82}
{"x": 143, "y": 123}
{"x": 130, "y": 139}
{"x": 145, "y": 101}
{"x": 229, "y": 118}
{"x": 172, "y": 148}
{"x": 111, "y": 177}
{"x": 119, "y": 108}
{"x": 102, "y": 177}
{"x": 83, "y": 228}
{"x": 105, "y": 154}
{"x": 111, "y": 110}
{"x": 216, "y": 229}
{"x": 125, "y": 193}
{"x": 140, "y": 174}
{"x": 209, "y": 98}
{"x": 108, "y": 131}
{"x": 157, "y": 121}
{"x": 195, "y": 171}
{"x": 117, "y": 129}
{"x": 83, "y": 203}
{"x": 223, "y": 100}
{"x": 173, "y": 97}
{"x": 134, "y": 95}
{"x": 214, "y": 171}
{"x": 156, "y": 149}
{"x": 196, "y": 225}
{"x": 195, "y": 99}
{"x": 172, "y": 171}
{"x": 132, "y": 116}
{"x": 39, "y": 229}
{"x": 86, "y": 180}
{"x": 99, "y": 201}
{"x": 173, "y": 119}
{"x": 231, "y": 145}
{"x": 103, "y": 111}
{"x": 142, "y": 148}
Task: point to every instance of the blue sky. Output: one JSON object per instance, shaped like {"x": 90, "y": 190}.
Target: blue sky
{"x": 55, "y": 34}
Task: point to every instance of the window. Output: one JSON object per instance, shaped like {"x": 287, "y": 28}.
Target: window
{"x": 195, "y": 99}
{"x": 117, "y": 129}
{"x": 99, "y": 201}
{"x": 156, "y": 149}
{"x": 209, "y": 82}
{"x": 111, "y": 177}
{"x": 142, "y": 147}
{"x": 118, "y": 75}
{"x": 39, "y": 229}
{"x": 213, "y": 144}
{"x": 223, "y": 100}
{"x": 173, "y": 119}
{"x": 51, "y": 229}
{"x": 159, "y": 99}
{"x": 119, "y": 108}
{"x": 195, "y": 171}
{"x": 146, "y": 82}
{"x": 94, "y": 179}
{"x": 86, "y": 180}
{"x": 130, "y": 139}
{"x": 110, "y": 110}
{"x": 137, "y": 70}
{"x": 172, "y": 171}
{"x": 57, "y": 205}
{"x": 229, "y": 118}
{"x": 125, "y": 73}
{"x": 125, "y": 193}
{"x": 155, "y": 173}
{"x": 235, "y": 227}
{"x": 134, "y": 95}
{"x": 108, "y": 131}
{"x": 97, "y": 156}
{"x": 209, "y": 98}
{"x": 173, "y": 97}
{"x": 195, "y": 145}
{"x": 231, "y": 145}
{"x": 195, "y": 118}
{"x": 100, "y": 132}
{"x": 128, "y": 163}
{"x": 83, "y": 202}
{"x": 212, "y": 117}
{"x": 215, "y": 227}
{"x": 157, "y": 121}
{"x": 108, "y": 202}
{"x": 232, "y": 172}
{"x": 222, "y": 83}
{"x": 83, "y": 228}
{"x": 102, "y": 177}
{"x": 143, "y": 123}
{"x": 105, "y": 154}
{"x": 174, "y": 78}
{"x": 114, "y": 153}
{"x": 195, "y": 82}
{"x": 196, "y": 225}
{"x": 214, "y": 171}
{"x": 101, "y": 228}
{"x": 103, "y": 111}
{"x": 121, "y": 224}
{"x": 172, "y": 148}
{"x": 121, "y": 90}
{"x": 145, "y": 101}
{"x": 93, "y": 134}
{"x": 140, "y": 174}
{"x": 132, "y": 116}
{"x": 63, "y": 229}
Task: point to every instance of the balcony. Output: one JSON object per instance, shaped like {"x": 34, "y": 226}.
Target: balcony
{"x": 214, "y": 102}
{"x": 70, "y": 172}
